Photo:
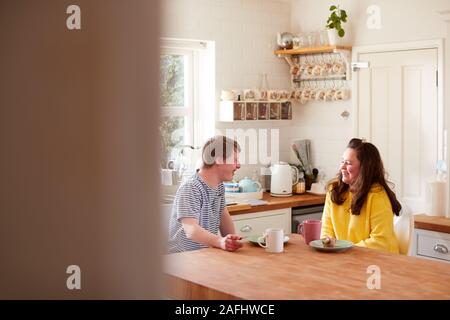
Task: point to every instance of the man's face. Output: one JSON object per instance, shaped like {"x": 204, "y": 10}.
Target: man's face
{"x": 228, "y": 168}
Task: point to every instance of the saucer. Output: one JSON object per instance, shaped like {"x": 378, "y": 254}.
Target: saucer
{"x": 340, "y": 245}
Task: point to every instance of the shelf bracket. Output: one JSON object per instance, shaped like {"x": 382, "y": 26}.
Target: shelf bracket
{"x": 289, "y": 61}
{"x": 345, "y": 54}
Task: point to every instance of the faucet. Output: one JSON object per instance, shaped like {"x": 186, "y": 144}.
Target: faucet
{"x": 181, "y": 159}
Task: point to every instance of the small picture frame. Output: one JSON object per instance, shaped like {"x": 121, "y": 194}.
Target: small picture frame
{"x": 286, "y": 110}
{"x": 274, "y": 113}
{"x": 238, "y": 111}
{"x": 251, "y": 110}
{"x": 263, "y": 111}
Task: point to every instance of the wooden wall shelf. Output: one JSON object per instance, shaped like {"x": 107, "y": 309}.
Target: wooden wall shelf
{"x": 315, "y": 50}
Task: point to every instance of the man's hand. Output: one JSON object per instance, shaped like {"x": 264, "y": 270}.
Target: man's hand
{"x": 231, "y": 242}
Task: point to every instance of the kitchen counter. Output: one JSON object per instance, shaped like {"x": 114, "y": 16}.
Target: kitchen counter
{"x": 439, "y": 224}
{"x": 300, "y": 272}
{"x": 274, "y": 203}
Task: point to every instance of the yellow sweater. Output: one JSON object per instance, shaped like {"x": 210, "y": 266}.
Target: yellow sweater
{"x": 372, "y": 228}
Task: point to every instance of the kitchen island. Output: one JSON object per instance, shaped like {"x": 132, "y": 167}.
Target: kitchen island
{"x": 300, "y": 272}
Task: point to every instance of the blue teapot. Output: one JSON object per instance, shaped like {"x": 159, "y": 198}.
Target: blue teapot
{"x": 248, "y": 185}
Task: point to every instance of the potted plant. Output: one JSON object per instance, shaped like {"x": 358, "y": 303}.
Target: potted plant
{"x": 334, "y": 24}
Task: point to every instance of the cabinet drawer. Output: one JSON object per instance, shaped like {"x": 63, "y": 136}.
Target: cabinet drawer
{"x": 433, "y": 245}
{"x": 258, "y": 224}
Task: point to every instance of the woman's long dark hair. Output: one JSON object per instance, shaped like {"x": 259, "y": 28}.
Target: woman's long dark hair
{"x": 371, "y": 171}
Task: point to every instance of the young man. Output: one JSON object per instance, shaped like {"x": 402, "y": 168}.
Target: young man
{"x": 199, "y": 210}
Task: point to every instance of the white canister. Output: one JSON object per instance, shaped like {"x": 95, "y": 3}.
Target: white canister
{"x": 435, "y": 198}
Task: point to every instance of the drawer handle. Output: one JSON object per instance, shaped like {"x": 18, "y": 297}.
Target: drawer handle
{"x": 246, "y": 228}
{"x": 440, "y": 248}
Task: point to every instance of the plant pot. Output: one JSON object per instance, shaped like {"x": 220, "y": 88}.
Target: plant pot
{"x": 333, "y": 37}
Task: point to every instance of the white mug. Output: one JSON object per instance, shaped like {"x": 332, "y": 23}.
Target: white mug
{"x": 274, "y": 239}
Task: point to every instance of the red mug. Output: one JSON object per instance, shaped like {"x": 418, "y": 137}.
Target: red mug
{"x": 310, "y": 230}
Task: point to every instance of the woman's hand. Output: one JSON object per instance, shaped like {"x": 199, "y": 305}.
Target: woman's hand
{"x": 231, "y": 242}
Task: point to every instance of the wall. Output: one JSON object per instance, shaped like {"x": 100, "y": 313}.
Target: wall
{"x": 401, "y": 21}
{"x": 244, "y": 32}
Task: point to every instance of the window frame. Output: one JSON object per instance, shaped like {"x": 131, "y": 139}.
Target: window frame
{"x": 189, "y": 109}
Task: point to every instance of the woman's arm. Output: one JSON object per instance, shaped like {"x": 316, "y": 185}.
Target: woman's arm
{"x": 382, "y": 236}
{"x": 327, "y": 224}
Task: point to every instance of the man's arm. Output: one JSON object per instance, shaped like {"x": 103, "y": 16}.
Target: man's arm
{"x": 196, "y": 233}
{"x": 226, "y": 223}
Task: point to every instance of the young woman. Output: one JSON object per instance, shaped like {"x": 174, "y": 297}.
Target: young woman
{"x": 360, "y": 206}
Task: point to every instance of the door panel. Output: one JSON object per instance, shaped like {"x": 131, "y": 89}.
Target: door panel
{"x": 397, "y": 111}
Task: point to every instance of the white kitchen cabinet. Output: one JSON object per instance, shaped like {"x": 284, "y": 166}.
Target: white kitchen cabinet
{"x": 431, "y": 245}
{"x": 256, "y": 223}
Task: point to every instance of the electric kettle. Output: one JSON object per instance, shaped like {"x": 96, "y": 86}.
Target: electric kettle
{"x": 284, "y": 176}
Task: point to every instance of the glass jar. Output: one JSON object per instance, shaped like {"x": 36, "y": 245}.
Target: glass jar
{"x": 323, "y": 37}
{"x": 300, "y": 187}
{"x": 311, "y": 39}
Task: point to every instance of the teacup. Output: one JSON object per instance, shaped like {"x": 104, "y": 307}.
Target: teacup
{"x": 341, "y": 94}
{"x": 309, "y": 70}
{"x": 263, "y": 95}
{"x": 274, "y": 240}
{"x": 337, "y": 68}
{"x": 310, "y": 229}
{"x": 321, "y": 95}
{"x": 274, "y": 95}
{"x": 284, "y": 94}
{"x": 295, "y": 70}
{"x": 330, "y": 94}
{"x": 249, "y": 95}
{"x": 317, "y": 70}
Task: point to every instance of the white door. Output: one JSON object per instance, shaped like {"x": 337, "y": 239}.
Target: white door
{"x": 398, "y": 112}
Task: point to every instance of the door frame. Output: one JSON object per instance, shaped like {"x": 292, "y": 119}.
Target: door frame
{"x": 405, "y": 46}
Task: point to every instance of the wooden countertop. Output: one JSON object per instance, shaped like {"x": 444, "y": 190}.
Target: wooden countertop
{"x": 297, "y": 200}
{"x": 439, "y": 224}
{"x": 300, "y": 272}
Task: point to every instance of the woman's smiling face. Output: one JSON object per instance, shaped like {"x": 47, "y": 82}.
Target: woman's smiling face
{"x": 350, "y": 166}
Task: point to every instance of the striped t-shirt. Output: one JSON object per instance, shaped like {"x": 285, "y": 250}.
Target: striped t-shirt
{"x": 195, "y": 199}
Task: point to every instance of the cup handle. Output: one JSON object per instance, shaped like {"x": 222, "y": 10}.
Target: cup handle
{"x": 297, "y": 175}
{"x": 300, "y": 228}
{"x": 259, "y": 241}
{"x": 259, "y": 186}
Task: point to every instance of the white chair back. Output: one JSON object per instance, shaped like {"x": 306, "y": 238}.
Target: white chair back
{"x": 403, "y": 228}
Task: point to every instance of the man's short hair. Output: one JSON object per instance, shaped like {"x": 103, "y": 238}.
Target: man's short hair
{"x": 218, "y": 147}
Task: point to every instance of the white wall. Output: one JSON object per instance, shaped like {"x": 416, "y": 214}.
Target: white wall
{"x": 244, "y": 32}
{"x": 401, "y": 21}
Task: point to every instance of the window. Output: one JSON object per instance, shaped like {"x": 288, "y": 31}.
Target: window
{"x": 185, "y": 86}
{"x": 176, "y": 88}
